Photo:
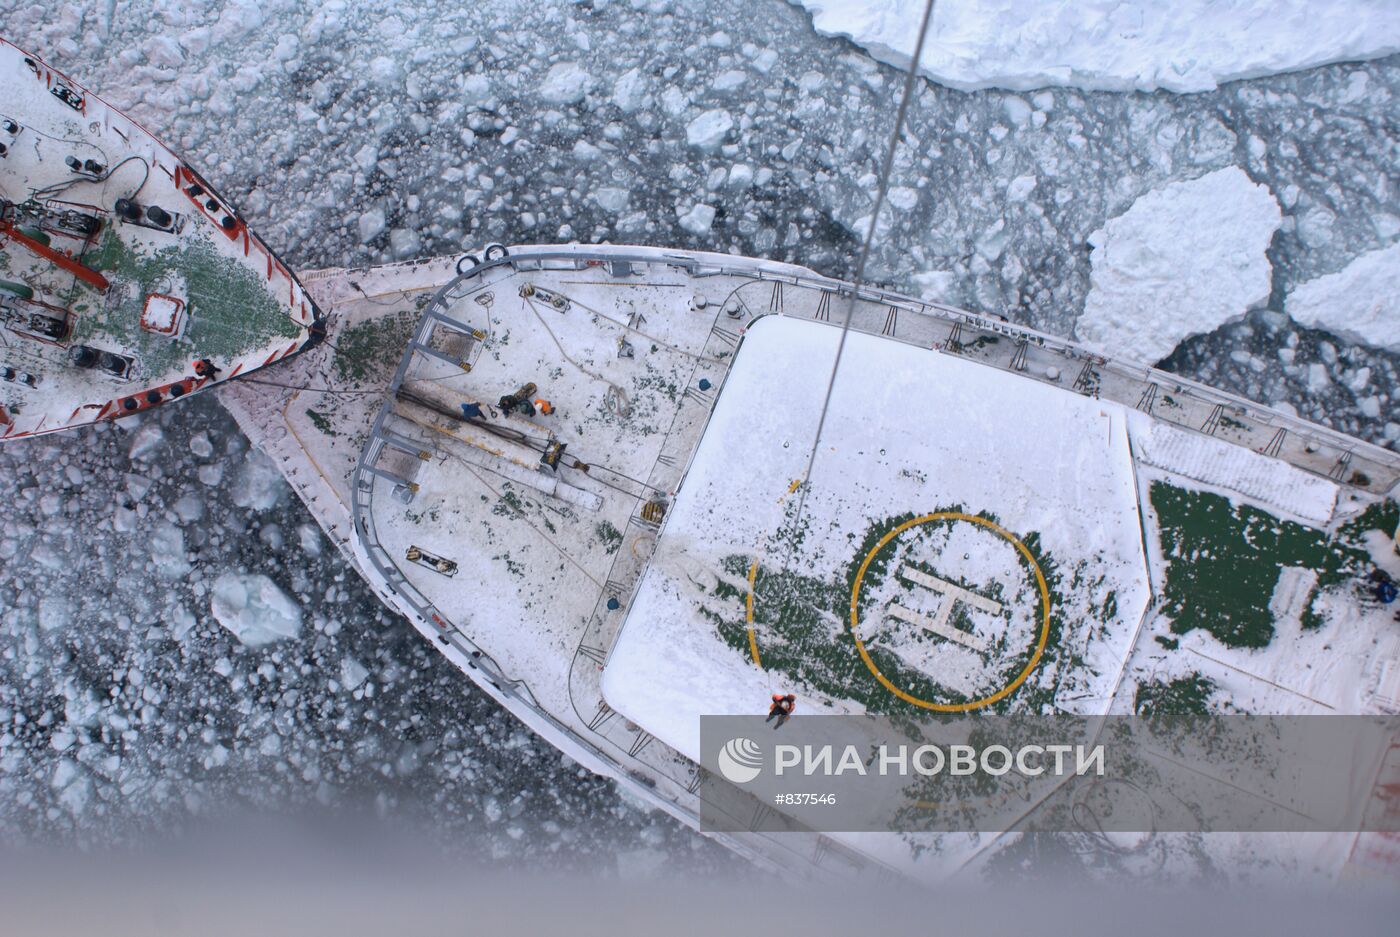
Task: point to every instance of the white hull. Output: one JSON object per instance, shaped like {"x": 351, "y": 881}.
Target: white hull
{"x": 542, "y": 655}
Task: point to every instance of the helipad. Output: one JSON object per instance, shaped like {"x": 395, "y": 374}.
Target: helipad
{"x": 1021, "y": 588}
{"x": 978, "y": 652}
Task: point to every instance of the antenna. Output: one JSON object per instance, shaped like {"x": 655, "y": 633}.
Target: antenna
{"x": 910, "y": 78}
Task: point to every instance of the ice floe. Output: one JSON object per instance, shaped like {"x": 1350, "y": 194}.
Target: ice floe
{"x": 1115, "y": 45}
{"x": 1181, "y": 261}
{"x": 254, "y": 609}
{"x": 1360, "y": 302}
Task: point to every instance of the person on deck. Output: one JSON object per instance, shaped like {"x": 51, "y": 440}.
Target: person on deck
{"x": 783, "y": 705}
{"x": 471, "y": 411}
{"x": 206, "y": 369}
{"x": 1383, "y": 588}
{"x": 1386, "y": 592}
{"x": 513, "y": 403}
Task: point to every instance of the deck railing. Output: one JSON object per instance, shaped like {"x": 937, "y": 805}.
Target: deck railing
{"x": 1379, "y": 467}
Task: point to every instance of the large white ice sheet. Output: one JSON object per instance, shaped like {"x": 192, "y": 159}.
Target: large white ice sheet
{"x": 1183, "y": 260}
{"x": 1113, "y": 45}
{"x": 1360, "y": 302}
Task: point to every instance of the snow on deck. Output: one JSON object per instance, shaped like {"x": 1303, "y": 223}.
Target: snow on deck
{"x": 1032, "y": 429}
{"x": 321, "y": 432}
{"x": 1273, "y": 483}
{"x": 536, "y": 552}
{"x": 1339, "y": 668}
{"x": 909, "y": 431}
{"x": 144, "y": 299}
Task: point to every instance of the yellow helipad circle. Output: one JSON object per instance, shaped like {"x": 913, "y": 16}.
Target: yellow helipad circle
{"x": 855, "y": 617}
{"x": 1044, "y": 605}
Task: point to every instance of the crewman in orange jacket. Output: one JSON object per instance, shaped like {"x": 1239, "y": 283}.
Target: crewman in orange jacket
{"x": 783, "y": 705}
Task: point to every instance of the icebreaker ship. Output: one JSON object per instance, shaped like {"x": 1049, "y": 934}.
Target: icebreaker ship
{"x": 575, "y": 468}
{"x": 126, "y": 280}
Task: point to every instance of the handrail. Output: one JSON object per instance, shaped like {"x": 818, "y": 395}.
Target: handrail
{"x": 525, "y": 259}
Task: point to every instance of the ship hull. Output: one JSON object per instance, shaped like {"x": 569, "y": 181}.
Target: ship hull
{"x": 127, "y": 281}
{"x": 547, "y": 584}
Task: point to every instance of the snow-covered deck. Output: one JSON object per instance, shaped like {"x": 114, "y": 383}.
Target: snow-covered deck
{"x": 910, "y": 433}
{"x": 119, "y": 265}
{"x": 387, "y": 465}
